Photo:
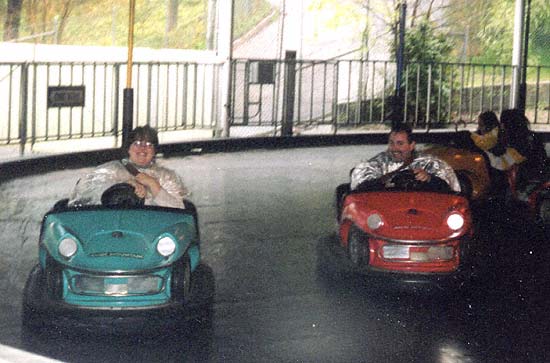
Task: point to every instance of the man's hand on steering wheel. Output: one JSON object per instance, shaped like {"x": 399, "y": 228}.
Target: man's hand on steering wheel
{"x": 421, "y": 175}
{"x": 414, "y": 179}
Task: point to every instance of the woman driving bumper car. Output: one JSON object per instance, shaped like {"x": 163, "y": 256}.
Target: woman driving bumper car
{"x": 156, "y": 184}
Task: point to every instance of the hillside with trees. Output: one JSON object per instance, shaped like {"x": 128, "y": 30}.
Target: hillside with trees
{"x": 468, "y": 30}
{"x": 181, "y": 24}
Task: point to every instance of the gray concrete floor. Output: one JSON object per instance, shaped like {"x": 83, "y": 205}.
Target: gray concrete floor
{"x": 264, "y": 217}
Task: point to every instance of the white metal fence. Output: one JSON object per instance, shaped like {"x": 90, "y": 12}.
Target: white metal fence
{"x": 322, "y": 96}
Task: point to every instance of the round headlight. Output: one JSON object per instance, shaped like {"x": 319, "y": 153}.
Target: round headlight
{"x": 374, "y": 221}
{"x": 67, "y": 247}
{"x": 166, "y": 246}
{"x": 455, "y": 221}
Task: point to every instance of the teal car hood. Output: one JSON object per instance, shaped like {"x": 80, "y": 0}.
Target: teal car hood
{"x": 117, "y": 240}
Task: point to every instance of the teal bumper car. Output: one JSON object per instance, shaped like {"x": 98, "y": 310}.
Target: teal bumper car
{"x": 115, "y": 263}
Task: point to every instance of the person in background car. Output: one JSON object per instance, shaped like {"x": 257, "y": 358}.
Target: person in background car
{"x": 490, "y": 139}
{"x": 517, "y": 134}
{"x": 158, "y": 185}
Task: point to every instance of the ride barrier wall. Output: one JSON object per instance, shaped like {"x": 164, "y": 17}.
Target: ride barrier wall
{"x": 73, "y": 160}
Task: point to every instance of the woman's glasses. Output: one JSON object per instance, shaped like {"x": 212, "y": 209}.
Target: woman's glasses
{"x": 143, "y": 144}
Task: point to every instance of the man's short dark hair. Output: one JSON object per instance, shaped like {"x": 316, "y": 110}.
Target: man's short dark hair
{"x": 401, "y": 127}
{"x": 144, "y": 133}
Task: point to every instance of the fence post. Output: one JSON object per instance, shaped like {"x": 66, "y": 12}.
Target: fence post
{"x": 519, "y": 23}
{"x": 288, "y": 93}
{"x": 522, "y": 101}
{"x": 115, "y": 126}
{"x": 225, "y": 50}
{"x": 397, "y": 105}
{"x": 127, "y": 115}
{"x": 401, "y": 49}
{"x": 23, "y": 103}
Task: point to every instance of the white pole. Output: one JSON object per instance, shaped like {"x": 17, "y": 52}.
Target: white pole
{"x": 517, "y": 53}
{"x": 211, "y": 25}
{"x": 225, "y": 50}
{"x": 300, "y": 55}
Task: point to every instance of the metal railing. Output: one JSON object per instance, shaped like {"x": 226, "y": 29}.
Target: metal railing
{"x": 169, "y": 96}
{"x": 326, "y": 96}
{"x": 355, "y": 94}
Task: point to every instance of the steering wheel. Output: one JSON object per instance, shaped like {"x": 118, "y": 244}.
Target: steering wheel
{"x": 404, "y": 179}
{"x": 121, "y": 195}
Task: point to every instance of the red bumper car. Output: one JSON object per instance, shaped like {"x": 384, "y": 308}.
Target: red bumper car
{"x": 405, "y": 230}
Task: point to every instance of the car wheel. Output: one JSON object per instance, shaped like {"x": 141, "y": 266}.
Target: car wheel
{"x": 465, "y": 185}
{"x": 358, "y": 247}
{"x": 54, "y": 279}
{"x": 32, "y": 319}
{"x": 543, "y": 211}
{"x": 341, "y": 191}
{"x": 181, "y": 280}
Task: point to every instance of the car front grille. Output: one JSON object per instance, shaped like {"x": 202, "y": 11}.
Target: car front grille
{"x": 84, "y": 284}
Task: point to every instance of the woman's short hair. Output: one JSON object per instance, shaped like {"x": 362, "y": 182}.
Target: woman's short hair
{"x": 144, "y": 133}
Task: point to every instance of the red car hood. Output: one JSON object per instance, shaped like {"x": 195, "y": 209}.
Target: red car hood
{"x": 412, "y": 216}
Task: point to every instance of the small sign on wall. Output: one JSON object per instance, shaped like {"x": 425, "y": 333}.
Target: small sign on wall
{"x": 66, "y": 96}
{"x": 262, "y": 72}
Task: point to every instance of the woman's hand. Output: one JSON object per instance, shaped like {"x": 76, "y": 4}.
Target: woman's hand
{"x": 149, "y": 182}
{"x": 139, "y": 189}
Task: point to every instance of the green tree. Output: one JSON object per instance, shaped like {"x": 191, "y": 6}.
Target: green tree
{"x": 423, "y": 44}
{"x": 12, "y": 19}
{"x": 488, "y": 26}
{"x": 426, "y": 43}
{"x": 425, "y": 49}
{"x": 364, "y": 13}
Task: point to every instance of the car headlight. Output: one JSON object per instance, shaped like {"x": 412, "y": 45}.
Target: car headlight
{"x": 455, "y": 221}
{"x": 166, "y": 246}
{"x": 374, "y": 221}
{"x": 67, "y": 247}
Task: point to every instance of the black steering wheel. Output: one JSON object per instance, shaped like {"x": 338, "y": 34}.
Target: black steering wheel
{"x": 121, "y": 195}
{"x": 404, "y": 180}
